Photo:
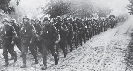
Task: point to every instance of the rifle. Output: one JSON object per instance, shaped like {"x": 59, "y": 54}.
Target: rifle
{"x": 116, "y": 32}
{"x": 127, "y": 30}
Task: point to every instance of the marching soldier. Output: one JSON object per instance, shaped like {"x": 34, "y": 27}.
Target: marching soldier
{"x": 38, "y": 29}
{"x": 8, "y": 36}
{"x": 70, "y": 33}
{"x": 80, "y": 30}
{"x": 63, "y": 31}
{"x": 17, "y": 41}
{"x": 27, "y": 34}
{"x": 75, "y": 33}
{"x": 50, "y": 38}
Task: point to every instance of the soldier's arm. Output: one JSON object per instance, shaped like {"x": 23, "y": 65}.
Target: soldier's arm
{"x": 2, "y": 32}
{"x": 40, "y": 29}
{"x": 64, "y": 28}
{"x": 57, "y": 35}
{"x": 71, "y": 28}
{"x": 33, "y": 33}
{"x": 14, "y": 32}
{"x": 33, "y": 28}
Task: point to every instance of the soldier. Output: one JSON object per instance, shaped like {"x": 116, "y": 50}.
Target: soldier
{"x": 90, "y": 28}
{"x": 87, "y": 28}
{"x": 8, "y": 36}
{"x": 80, "y": 31}
{"x": 103, "y": 25}
{"x": 58, "y": 22}
{"x": 63, "y": 31}
{"x": 34, "y": 39}
{"x": 96, "y": 27}
{"x": 17, "y": 41}
{"x": 38, "y": 29}
{"x": 50, "y": 38}
{"x": 75, "y": 33}
{"x": 27, "y": 34}
{"x": 70, "y": 33}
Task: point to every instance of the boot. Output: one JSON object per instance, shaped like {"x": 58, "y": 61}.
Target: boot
{"x": 11, "y": 58}
{"x": 15, "y": 58}
{"x": 24, "y": 61}
{"x": 36, "y": 61}
{"x": 21, "y": 55}
{"x": 6, "y": 59}
{"x": 6, "y": 63}
{"x": 44, "y": 68}
{"x": 71, "y": 48}
{"x": 56, "y": 58}
{"x": 23, "y": 66}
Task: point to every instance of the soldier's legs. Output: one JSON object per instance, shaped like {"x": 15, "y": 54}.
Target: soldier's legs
{"x": 84, "y": 37}
{"x": 54, "y": 50}
{"x": 5, "y": 54}
{"x": 33, "y": 50}
{"x": 93, "y": 32}
{"x": 101, "y": 29}
{"x": 12, "y": 57}
{"x": 12, "y": 52}
{"x": 24, "y": 48}
{"x": 90, "y": 34}
{"x": 71, "y": 44}
{"x": 44, "y": 56}
{"x": 80, "y": 39}
{"x": 39, "y": 46}
{"x": 76, "y": 40}
{"x": 69, "y": 41}
{"x": 18, "y": 43}
{"x": 63, "y": 46}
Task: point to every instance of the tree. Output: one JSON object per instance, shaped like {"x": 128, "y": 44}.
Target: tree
{"x": 57, "y": 8}
{"x": 130, "y": 7}
{"x": 4, "y": 5}
{"x": 78, "y": 8}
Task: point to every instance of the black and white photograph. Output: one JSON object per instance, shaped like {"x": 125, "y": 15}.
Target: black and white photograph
{"x": 66, "y": 35}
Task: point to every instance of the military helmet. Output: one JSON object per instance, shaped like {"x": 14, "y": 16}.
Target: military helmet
{"x": 32, "y": 20}
{"x": 65, "y": 19}
{"x": 13, "y": 21}
{"x": 58, "y": 18}
{"x": 70, "y": 19}
{"x": 45, "y": 19}
{"x": 37, "y": 19}
{"x": 25, "y": 17}
{"x": 5, "y": 20}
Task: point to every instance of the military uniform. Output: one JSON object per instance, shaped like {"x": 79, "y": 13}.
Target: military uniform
{"x": 49, "y": 37}
{"x": 17, "y": 41}
{"x": 75, "y": 33}
{"x": 8, "y": 35}
{"x": 80, "y": 31}
{"x": 63, "y": 31}
{"x": 27, "y": 34}
{"x": 37, "y": 40}
{"x": 70, "y": 34}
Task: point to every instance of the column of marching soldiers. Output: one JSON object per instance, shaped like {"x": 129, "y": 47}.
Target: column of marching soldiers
{"x": 48, "y": 35}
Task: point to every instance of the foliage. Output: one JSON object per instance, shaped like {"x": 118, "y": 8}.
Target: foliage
{"x": 57, "y": 8}
{"x": 78, "y": 8}
{"x": 4, "y": 5}
{"x": 130, "y": 7}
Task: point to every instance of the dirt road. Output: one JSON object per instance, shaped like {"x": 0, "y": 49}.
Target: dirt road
{"x": 104, "y": 52}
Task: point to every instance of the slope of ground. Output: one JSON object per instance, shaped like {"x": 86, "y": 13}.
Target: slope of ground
{"x": 104, "y": 52}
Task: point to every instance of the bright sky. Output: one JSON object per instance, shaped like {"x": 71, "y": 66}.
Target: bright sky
{"x": 30, "y": 6}
{"x": 118, "y": 6}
